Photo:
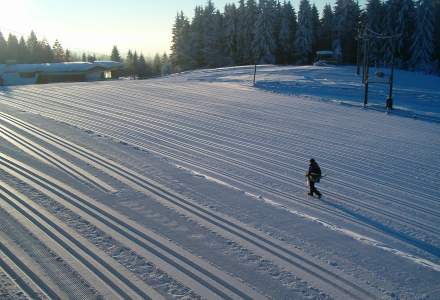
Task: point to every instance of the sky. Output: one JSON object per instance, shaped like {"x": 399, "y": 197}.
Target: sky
{"x": 96, "y": 25}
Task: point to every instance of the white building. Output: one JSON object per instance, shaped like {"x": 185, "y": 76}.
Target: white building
{"x": 19, "y": 74}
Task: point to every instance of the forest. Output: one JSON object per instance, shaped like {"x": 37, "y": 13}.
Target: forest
{"x": 269, "y": 32}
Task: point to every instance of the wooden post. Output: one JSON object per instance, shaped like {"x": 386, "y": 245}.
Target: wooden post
{"x": 389, "y": 104}
{"x": 255, "y": 72}
{"x": 366, "y": 72}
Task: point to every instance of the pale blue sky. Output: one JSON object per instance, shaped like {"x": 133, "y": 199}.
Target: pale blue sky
{"x": 97, "y": 25}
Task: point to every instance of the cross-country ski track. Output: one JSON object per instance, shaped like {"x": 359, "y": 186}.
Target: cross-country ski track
{"x": 219, "y": 131}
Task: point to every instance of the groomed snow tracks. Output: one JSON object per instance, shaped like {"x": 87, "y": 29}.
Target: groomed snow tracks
{"x": 320, "y": 276}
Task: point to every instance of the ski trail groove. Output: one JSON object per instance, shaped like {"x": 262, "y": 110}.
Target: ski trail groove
{"x": 229, "y": 228}
{"x": 122, "y": 287}
{"x": 201, "y": 277}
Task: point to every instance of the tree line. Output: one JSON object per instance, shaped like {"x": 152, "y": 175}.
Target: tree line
{"x": 269, "y": 31}
{"x": 138, "y": 66}
{"x": 34, "y": 51}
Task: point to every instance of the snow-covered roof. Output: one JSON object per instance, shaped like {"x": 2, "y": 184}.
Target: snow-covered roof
{"x": 59, "y": 67}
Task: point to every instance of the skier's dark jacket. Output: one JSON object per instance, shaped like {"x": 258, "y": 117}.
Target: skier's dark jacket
{"x": 314, "y": 173}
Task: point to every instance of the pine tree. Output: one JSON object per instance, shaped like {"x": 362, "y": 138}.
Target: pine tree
{"x": 347, "y": 17}
{"x": 304, "y": 35}
{"x": 181, "y": 44}
{"x": 3, "y": 49}
{"x": 375, "y": 25}
{"x": 45, "y": 53}
{"x": 213, "y": 36}
{"x": 264, "y": 43}
{"x": 327, "y": 21}
{"x": 142, "y": 68}
{"x": 401, "y": 20}
{"x": 13, "y": 48}
{"x": 129, "y": 66}
{"x": 23, "y": 53}
{"x": 231, "y": 34}
{"x": 197, "y": 39}
{"x": 165, "y": 65}
{"x": 135, "y": 65}
{"x": 437, "y": 33}
{"x": 34, "y": 48}
{"x": 157, "y": 65}
{"x": 58, "y": 52}
{"x": 286, "y": 35}
{"x": 115, "y": 56}
{"x": 316, "y": 29}
{"x": 83, "y": 57}
{"x": 423, "y": 46}
{"x": 248, "y": 34}
{"x": 67, "y": 56}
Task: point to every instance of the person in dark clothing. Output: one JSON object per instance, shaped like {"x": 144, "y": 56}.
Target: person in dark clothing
{"x": 313, "y": 175}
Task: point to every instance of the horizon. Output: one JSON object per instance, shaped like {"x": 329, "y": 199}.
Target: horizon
{"x": 96, "y": 27}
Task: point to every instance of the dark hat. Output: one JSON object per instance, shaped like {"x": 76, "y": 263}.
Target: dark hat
{"x": 312, "y": 160}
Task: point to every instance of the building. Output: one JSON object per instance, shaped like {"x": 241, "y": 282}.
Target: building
{"x": 19, "y": 74}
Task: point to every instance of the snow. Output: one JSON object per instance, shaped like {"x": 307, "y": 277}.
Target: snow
{"x": 213, "y": 169}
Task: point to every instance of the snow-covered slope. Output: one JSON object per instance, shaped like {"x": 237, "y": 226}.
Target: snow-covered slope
{"x": 192, "y": 186}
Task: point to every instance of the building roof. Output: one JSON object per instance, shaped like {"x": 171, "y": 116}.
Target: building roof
{"x": 59, "y": 67}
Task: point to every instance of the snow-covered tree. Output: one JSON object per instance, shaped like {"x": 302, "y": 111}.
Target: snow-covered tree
{"x": 264, "y": 44}
{"x": 304, "y": 34}
{"x": 248, "y": 32}
{"x": 346, "y": 16}
{"x": 400, "y": 20}
{"x": 423, "y": 46}
{"x": 230, "y": 29}
{"x": 286, "y": 35}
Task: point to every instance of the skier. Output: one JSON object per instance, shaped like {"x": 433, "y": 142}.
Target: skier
{"x": 313, "y": 176}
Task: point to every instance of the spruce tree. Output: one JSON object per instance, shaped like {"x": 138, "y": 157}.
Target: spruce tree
{"x": 264, "y": 43}
{"x": 437, "y": 33}
{"x": 316, "y": 29}
{"x": 23, "y": 53}
{"x": 129, "y": 66}
{"x": 142, "y": 69}
{"x": 13, "y": 49}
{"x": 83, "y": 57}
{"x": 347, "y": 17}
{"x": 115, "y": 56}
{"x": 157, "y": 65}
{"x": 423, "y": 46}
{"x": 231, "y": 34}
{"x": 58, "y": 52}
{"x": 327, "y": 21}
{"x": 304, "y": 35}
{"x": 165, "y": 65}
{"x": 286, "y": 35}
{"x": 248, "y": 34}
{"x": 375, "y": 25}
{"x": 3, "y": 49}
{"x": 181, "y": 44}
{"x": 197, "y": 49}
{"x": 34, "y": 48}
{"x": 45, "y": 54}
{"x": 401, "y": 21}
{"x": 67, "y": 56}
